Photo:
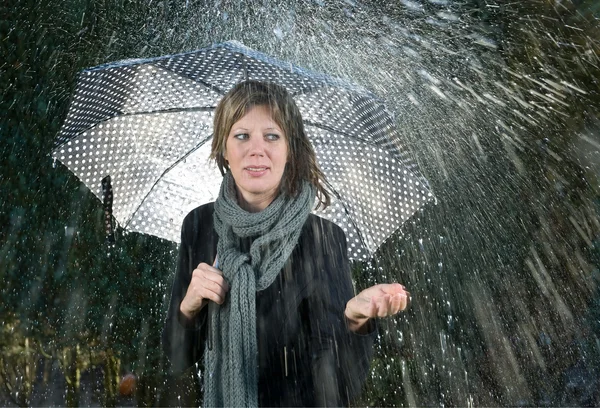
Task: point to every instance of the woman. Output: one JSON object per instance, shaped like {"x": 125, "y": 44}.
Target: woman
{"x": 274, "y": 319}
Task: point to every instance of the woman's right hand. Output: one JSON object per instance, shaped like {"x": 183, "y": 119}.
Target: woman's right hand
{"x": 207, "y": 284}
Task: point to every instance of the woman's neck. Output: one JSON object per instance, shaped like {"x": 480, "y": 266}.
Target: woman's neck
{"x": 254, "y": 204}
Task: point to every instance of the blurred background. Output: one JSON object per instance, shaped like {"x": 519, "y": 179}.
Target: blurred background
{"x": 499, "y": 103}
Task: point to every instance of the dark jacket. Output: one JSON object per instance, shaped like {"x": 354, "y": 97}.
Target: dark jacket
{"x": 306, "y": 355}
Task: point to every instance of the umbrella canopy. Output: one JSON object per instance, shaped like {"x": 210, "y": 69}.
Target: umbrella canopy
{"x": 147, "y": 124}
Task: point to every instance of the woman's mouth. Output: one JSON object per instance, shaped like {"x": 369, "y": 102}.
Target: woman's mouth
{"x": 256, "y": 171}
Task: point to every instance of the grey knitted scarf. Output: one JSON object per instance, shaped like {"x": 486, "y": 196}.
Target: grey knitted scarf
{"x": 231, "y": 377}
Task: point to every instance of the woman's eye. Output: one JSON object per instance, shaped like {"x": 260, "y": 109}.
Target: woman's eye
{"x": 241, "y": 136}
{"x": 272, "y": 136}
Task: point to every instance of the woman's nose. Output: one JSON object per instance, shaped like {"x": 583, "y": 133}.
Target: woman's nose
{"x": 257, "y": 146}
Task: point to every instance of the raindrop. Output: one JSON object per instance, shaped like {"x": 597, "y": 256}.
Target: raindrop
{"x": 278, "y": 32}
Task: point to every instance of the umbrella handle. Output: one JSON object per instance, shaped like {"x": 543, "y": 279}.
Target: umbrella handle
{"x": 210, "y": 329}
{"x": 211, "y": 312}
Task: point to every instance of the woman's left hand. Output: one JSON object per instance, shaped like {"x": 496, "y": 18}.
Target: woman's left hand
{"x": 377, "y": 301}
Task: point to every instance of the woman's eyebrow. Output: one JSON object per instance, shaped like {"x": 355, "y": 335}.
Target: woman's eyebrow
{"x": 243, "y": 129}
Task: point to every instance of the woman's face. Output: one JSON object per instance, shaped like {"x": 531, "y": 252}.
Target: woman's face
{"x": 257, "y": 151}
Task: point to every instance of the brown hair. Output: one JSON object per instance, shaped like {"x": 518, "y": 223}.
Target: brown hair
{"x": 301, "y": 162}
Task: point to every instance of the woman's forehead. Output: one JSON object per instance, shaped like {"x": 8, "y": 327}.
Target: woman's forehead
{"x": 271, "y": 109}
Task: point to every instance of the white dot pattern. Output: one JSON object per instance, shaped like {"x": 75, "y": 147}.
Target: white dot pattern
{"x": 148, "y": 124}
{"x": 374, "y": 193}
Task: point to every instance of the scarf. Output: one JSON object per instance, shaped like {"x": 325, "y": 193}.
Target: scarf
{"x": 231, "y": 375}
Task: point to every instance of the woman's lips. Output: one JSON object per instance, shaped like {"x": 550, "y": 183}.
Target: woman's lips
{"x": 256, "y": 171}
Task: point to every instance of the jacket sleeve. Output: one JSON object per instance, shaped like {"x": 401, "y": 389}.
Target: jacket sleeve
{"x": 340, "y": 358}
{"x": 183, "y": 340}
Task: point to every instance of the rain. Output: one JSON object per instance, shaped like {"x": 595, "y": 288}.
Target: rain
{"x": 498, "y": 102}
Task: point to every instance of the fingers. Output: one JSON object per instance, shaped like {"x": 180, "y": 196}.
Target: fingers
{"x": 392, "y": 288}
{"x": 398, "y": 302}
{"x": 209, "y": 283}
{"x": 212, "y": 291}
{"x": 207, "y": 268}
{"x": 204, "y": 272}
{"x": 388, "y": 305}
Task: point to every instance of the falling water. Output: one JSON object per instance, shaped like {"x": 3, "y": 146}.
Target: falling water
{"x": 498, "y": 103}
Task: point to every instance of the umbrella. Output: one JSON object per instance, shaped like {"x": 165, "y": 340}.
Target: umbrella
{"x": 146, "y": 126}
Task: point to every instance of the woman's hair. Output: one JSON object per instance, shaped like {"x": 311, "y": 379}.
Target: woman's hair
{"x": 301, "y": 161}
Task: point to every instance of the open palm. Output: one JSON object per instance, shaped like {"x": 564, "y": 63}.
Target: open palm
{"x": 376, "y": 301}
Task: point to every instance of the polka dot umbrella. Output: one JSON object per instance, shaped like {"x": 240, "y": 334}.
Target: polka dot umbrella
{"x": 146, "y": 125}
